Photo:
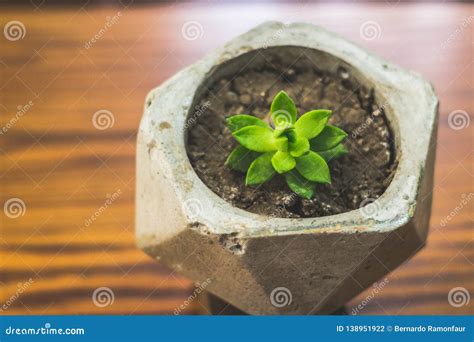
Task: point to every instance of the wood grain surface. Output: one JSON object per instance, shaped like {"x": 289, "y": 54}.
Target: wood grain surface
{"x": 64, "y": 169}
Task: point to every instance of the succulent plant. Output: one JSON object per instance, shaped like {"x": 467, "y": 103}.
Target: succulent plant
{"x": 296, "y": 148}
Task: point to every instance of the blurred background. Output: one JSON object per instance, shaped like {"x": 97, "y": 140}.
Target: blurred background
{"x": 74, "y": 76}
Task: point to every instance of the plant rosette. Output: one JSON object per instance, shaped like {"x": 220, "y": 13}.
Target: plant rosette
{"x": 296, "y": 148}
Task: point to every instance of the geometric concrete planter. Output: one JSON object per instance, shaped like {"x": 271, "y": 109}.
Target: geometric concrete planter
{"x": 266, "y": 265}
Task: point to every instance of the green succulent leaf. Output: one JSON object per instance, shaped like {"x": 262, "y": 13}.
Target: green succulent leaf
{"x": 283, "y": 110}
{"x": 298, "y": 184}
{"x": 237, "y": 122}
{"x": 281, "y": 143}
{"x": 299, "y": 150}
{"x": 241, "y": 158}
{"x": 256, "y": 138}
{"x": 313, "y": 167}
{"x": 283, "y": 162}
{"x": 261, "y": 170}
{"x": 291, "y": 135}
{"x": 328, "y": 138}
{"x": 288, "y": 131}
{"x": 310, "y": 124}
{"x": 278, "y": 131}
{"x": 333, "y": 153}
{"x": 299, "y": 147}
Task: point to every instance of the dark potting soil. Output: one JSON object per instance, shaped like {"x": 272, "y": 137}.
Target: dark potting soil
{"x": 358, "y": 177}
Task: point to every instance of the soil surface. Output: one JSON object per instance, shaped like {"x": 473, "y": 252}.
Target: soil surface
{"x": 358, "y": 177}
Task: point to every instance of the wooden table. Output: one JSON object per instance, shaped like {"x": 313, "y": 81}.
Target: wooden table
{"x": 65, "y": 169}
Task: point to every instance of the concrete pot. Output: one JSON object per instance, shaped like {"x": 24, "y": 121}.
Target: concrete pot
{"x": 265, "y": 265}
